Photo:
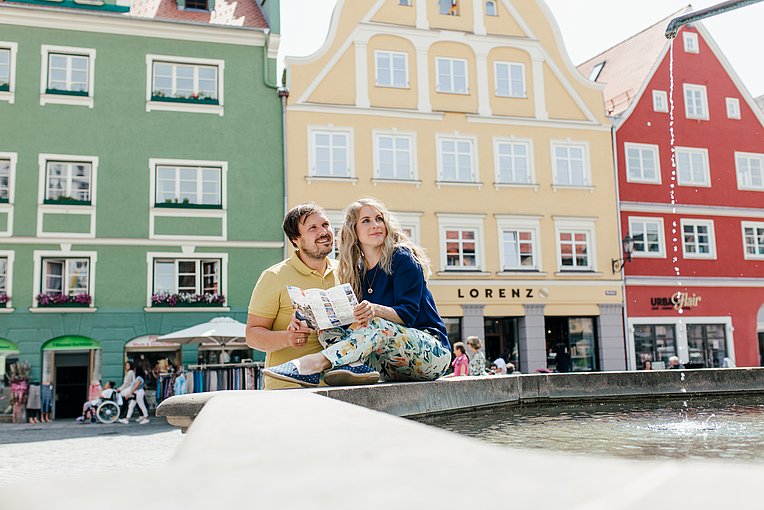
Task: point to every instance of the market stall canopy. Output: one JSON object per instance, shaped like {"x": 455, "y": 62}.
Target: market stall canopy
{"x": 149, "y": 343}
{"x": 222, "y": 330}
{"x": 7, "y": 347}
{"x": 71, "y": 343}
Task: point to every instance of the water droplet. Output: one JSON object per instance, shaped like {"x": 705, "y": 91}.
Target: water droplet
{"x": 681, "y": 376}
{"x": 680, "y": 311}
{"x": 684, "y": 390}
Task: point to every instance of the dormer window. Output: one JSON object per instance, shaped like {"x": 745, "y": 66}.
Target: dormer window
{"x": 596, "y": 71}
{"x": 197, "y": 5}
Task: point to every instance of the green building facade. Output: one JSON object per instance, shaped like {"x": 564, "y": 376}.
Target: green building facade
{"x": 141, "y": 180}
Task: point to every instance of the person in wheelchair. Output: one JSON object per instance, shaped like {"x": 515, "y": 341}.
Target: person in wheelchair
{"x": 91, "y": 409}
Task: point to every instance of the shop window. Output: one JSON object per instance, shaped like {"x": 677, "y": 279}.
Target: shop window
{"x": 392, "y": 69}
{"x": 452, "y": 75}
{"x": 453, "y": 329}
{"x": 68, "y": 182}
{"x": 660, "y": 101}
{"x": 698, "y": 239}
{"x": 695, "y": 102}
{"x": 571, "y": 344}
{"x": 642, "y": 163}
{"x": 330, "y": 153}
{"x": 648, "y": 237}
{"x": 394, "y": 157}
{"x": 510, "y": 79}
{"x": 654, "y": 342}
{"x": 692, "y": 167}
{"x": 513, "y": 162}
{"x": 707, "y": 344}
{"x": 187, "y": 282}
{"x": 753, "y": 240}
{"x": 188, "y": 186}
{"x": 570, "y": 165}
{"x": 502, "y": 339}
{"x": 456, "y": 160}
{"x": 750, "y": 171}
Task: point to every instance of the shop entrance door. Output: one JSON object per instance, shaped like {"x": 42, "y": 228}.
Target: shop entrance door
{"x": 71, "y": 383}
{"x": 571, "y": 344}
{"x": 501, "y": 339}
{"x": 707, "y": 344}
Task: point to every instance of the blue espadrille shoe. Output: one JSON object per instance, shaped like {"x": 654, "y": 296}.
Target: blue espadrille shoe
{"x": 348, "y": 375}
{"x": 288, "y": 372}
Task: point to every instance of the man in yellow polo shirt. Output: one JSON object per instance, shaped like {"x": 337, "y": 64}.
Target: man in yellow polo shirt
{"x": 270, "y": 309}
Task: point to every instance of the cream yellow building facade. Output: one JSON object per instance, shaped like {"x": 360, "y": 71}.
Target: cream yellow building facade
{"x": 469, "y": 121}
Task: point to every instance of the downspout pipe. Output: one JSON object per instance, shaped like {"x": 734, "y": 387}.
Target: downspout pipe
{"x": 675, "y": 24}
{"x": 284, "y": 95}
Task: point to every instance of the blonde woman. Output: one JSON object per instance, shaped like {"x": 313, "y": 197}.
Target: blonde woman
{"x": 399, "y": 332}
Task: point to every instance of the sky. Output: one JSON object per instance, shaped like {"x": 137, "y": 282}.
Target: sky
{"x": 588, "y": 27}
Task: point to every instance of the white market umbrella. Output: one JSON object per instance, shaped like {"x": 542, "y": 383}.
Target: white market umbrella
{"x": 220, "y": 330}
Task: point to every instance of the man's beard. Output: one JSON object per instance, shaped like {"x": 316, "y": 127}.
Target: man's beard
{"x": 315, "y": 251}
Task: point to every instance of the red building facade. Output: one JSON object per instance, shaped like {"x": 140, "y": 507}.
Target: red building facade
{"x": 695, "y": 284}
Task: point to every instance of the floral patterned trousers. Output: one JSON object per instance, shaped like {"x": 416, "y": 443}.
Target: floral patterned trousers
{"x": 398, "y": 353}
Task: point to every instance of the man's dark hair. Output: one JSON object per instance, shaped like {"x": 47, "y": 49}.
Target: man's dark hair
{"x": 296, "y": 217}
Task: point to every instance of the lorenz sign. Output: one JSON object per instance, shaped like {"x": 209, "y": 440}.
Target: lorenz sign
{"x": 678, "y": 301}
{"x": 501, "y": 293}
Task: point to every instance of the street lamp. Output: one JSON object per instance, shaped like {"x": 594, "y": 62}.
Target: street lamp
{"x": 628, "y": 248}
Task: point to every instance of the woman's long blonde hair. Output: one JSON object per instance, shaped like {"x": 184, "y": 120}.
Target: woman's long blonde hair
{"x": 352, "y": 267}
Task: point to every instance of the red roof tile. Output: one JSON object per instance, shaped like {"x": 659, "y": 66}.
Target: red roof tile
{"x": 628, "y": 65}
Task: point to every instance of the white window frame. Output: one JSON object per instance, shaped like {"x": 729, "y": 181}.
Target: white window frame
{"x": 693, "y": 89}
{"x": 10, "y": 94}
{"x": 186, "y": 255}
{"x": 690, "y": 40}
{"x": 733, "y": 108}
{"x": 474, "y": 170}
{"x": 528, "y": 143}
{"x": 7, "y": 207}
{"x": 711, "y": 238}
{"x": 706, "y": 183}
{"x": 411, "y": 137}
{"x": 587, "y": 171}
{"x": 576, "y": 225}
{"x": 82, "y": 209}
{"x": 451, "y": 89}
{"x": 331, "y": 130}
{"x": 472, "y": 222}
{"x": 441, "y": 8}
{"x": 655, "y": 150}
{"x": 39, "y": 255}
{"x": 215, "y": 109}
{"x": 495, "y": 8}
{"x": 9, "y": 256}
{"x": 199, "y": 182}
{"x": 520, "y": 223}
{"x": 391, "y": 78}
{"x": 510, "y": 92}
{"x": 741, "y": 179}
{"x": 744, "y": 225}
{"x": 412, "y": 222}
{"x": 46, "y": 98}
{"x": 404, "y": 3}
{"x": 661, "y": 253}
{"x": 181, "y": 212}
{"x": 660, "y": 101}
{"x": 336, "y": 219}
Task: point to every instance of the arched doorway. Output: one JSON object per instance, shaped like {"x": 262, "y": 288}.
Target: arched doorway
{"x": 760, "y": 332}
{"x": 70, "y": 363}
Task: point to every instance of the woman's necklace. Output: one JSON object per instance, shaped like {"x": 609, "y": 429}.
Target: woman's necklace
{"x": 370, "y": 286}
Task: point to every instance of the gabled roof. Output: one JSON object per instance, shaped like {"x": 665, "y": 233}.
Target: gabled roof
{"x": 760, "y": 102}
{"x": 242, "y": 13}
{"x": 628, "y": 65}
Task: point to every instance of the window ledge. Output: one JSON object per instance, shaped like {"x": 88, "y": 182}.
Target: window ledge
{"x": 530, "y": 272}
{"x": 453, "y": 93}
{"x": 478, "y": 185}
{"x": 584, "y": 272}
{"x": 462, "y": 272}
{"x": 699, "y": 257}
{"x": 509, "y": 185}
{"x": 378, "y": 180}
{"x": 7, "y": 310}
{"x": 648, "y": 255}
{"x": 168, "y": 106}
{"x": 322, "y": 178}
{"x": 185, "y": 309}
{"x": 693, "y": 185}
{"x": 63, "y": 309}
{"x": 590, "y": 189}
{"x": 508, "y": 96}
{"x": 66, "y": 99}
{"x": 758, "y": 190}
{"x": 68, "y": 208}
{"x": 396, "y": 87}
{"x": 7, "y": 95}
{"x": 643, "y": 181}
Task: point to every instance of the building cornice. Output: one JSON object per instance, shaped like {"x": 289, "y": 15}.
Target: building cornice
{"x": 117, "y": 24}
{"x": 699, "y": 210}
{"x": 691, "y": 281}
{"x": 147, "y": 243}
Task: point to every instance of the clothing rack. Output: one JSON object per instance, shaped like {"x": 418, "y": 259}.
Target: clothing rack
{"x": 212, "y": 377}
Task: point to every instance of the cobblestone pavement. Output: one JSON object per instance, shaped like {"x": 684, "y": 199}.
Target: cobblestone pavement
{"x": 42, "y": 451}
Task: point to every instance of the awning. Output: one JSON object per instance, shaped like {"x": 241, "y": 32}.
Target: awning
{"x": 149, "y": 343}
{"x": 71, "y": 343}
{"x": 7, "y": 347}
{"x": 239, "y": 343}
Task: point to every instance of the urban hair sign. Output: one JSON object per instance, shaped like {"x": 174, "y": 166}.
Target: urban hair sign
{"x": 678, "y": 301}
{"x": 501, "y": 293}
